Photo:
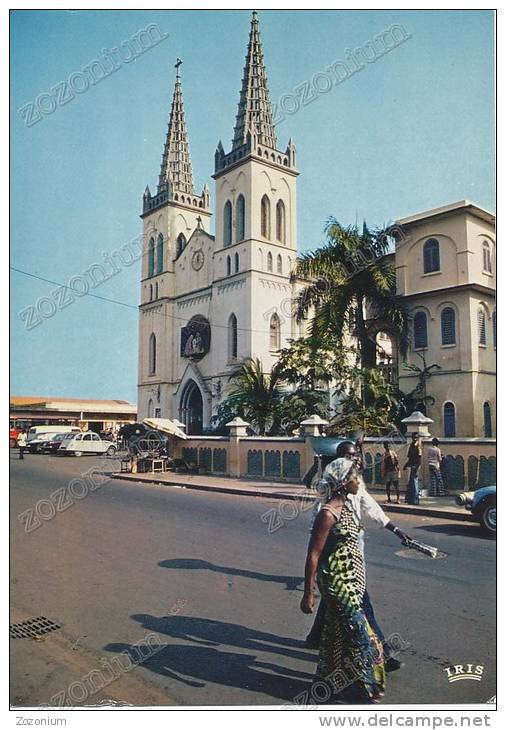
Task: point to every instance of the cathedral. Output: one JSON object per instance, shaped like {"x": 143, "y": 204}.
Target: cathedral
{"x": 209, "y": 301}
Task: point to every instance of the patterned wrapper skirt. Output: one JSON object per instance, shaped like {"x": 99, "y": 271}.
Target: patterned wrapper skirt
{"x": 350, "y": 662}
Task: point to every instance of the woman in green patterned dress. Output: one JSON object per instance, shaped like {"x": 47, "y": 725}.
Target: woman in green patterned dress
{"x": 350, "y": 667}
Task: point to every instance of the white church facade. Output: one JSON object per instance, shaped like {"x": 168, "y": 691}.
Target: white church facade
{"x": 208, "y": 301}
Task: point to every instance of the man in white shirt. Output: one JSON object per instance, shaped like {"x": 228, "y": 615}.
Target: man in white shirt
{"x": 362, "y": 503}
{"x": 435, "y": 458}
{"x": 22, "y": 444}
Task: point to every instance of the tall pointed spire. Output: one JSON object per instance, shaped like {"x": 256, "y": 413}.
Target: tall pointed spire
{"x": 254, "y": 113}
{"x": 176, "y": 168}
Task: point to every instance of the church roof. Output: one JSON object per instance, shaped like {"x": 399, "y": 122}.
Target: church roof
{"x": 200, "y": 232}
{"x": 176, "y": 168}
{"x": 254, "y": 113}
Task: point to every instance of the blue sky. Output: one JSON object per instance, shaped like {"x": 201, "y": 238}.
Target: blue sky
{"x": 411, "y": 131}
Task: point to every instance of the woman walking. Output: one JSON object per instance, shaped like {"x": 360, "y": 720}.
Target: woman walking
{"x": 351, "y": 658}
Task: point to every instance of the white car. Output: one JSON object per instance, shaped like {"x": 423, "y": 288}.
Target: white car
{"x": 37, "y": 435}
{"x": 85, "y": 443}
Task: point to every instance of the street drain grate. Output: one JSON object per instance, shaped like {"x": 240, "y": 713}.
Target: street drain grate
{"x": 32, "y": 628}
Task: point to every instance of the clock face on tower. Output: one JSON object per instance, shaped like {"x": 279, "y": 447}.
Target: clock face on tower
{"x": 198, "y": 259}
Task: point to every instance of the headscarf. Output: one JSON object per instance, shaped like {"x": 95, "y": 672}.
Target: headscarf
{"x": 335, "y": 477}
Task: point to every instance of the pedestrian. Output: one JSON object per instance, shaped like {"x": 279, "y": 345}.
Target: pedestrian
{"x": 22, "y": 443}
{"x": 359, "y": 448}
{"x": 390, "y": 470}
{"x": 435, "y": 459}
{"x": 335, "y": 559}
{"x": 362, "y": 502}
{"x": 413, "y": 464}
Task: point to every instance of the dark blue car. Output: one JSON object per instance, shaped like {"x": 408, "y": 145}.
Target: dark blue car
{"x": 483, "y": 506}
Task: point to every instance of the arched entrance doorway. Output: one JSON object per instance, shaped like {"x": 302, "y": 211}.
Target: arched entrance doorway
{"x": 191, "y": 408}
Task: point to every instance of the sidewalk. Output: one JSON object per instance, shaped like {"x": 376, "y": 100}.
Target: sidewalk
{"x": 56, "y": 670}
{"x": 442, "y": 507}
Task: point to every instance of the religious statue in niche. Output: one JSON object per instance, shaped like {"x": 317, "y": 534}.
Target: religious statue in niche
{"x": 196, "y": 337}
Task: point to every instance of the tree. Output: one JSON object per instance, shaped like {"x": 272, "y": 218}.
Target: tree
{"x": 256, "y": 396}
{"x": 351, "y": 275}
{"x": 419, "y": 393}
{"x": 369, "y": 403}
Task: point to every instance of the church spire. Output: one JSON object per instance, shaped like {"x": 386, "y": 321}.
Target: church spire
{"x": 176, "y": 168}
{"x": 254, "y": 114}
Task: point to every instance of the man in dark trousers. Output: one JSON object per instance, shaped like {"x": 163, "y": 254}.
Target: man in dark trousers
{"x": 413, "y": 464}
{"x": 362, "y": 502}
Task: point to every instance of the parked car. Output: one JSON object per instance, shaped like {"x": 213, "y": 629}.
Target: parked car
{"x": 38, "y": 434}
{"x": 52, "y": 443}
{"x": 483, "y": 506}
{"x": 85, "y": 443}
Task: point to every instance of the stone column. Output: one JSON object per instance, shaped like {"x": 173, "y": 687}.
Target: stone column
{"x": 238, "y": 431}
{"x": 311, "y": 426}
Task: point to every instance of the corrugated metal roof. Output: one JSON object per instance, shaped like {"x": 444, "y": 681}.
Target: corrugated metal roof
{"x": 82, "y": 404}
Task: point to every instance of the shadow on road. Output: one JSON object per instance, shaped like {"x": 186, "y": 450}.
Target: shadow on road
{"x": 290, "y": 581}
{"x": 460, "y": 529}
{"x": 196, "y": 665}
{"x": 216, "y": 633}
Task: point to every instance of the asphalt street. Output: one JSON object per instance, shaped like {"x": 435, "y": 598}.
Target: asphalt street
{"x": 221, "y": 592}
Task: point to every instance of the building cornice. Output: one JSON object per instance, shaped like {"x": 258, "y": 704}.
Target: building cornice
{"x": 256, "y": 158}
{"x": 446, "y": 289}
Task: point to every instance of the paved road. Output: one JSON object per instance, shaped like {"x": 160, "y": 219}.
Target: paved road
{"x": 203, "y": 572}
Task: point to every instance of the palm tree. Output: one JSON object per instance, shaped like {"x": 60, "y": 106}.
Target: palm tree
{"x": 256, "y": 396}
{"x": 349, "y": 276}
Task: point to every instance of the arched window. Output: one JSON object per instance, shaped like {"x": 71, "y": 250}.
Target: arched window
{"x": 180, "y": 244}
{"x": 420, "y": 330}
{"x": 265, "y": 217}
{"x": 229, "y": 266}
{"x": 232, "y": 337}
{"x": 227, "y": 223}
{"x": 151, "y": 257}
{"x": 150, "y": 408}
{"x": 275, "y": 333}
{"x": 269, "y": 261}
{"x": 448, "y": 336}
{"x": 279, "y": 264}
{"x": 156, "y": 290}
{"x": 487, "y": 420}
{"x": 236, "y": 262}
{"x": 449, "y": 419}
{"x": 494, "y": 328}
{"x": 159, "y": 254}
{"x": 487, "y": 257}
{"x": 280, "y": 222}
{"x": 431, "y": 256}
{"x": 152, "y": 354}
{"x": 151, "y": 292}
{"x": 240, "y": 218}
{"x": 482, "y": 327}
